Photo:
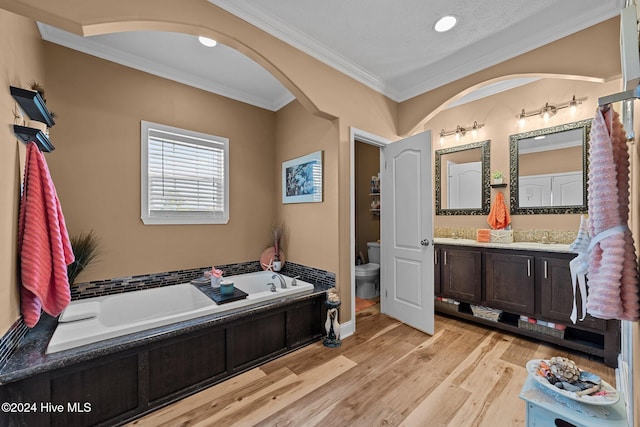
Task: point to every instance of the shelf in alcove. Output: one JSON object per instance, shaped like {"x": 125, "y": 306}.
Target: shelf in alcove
{"x": 503, "y": 185}
{"x": 32, "y": 104}
{"x": 27, "y": 135}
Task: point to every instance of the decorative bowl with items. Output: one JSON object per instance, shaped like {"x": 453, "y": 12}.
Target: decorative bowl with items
{"x": 561, "y": 375}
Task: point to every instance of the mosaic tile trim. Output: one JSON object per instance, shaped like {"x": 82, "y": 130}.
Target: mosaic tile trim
{"x": 10, "y": 341}
{"x": 147, "y": 281}
{"x": 322, "y": 278}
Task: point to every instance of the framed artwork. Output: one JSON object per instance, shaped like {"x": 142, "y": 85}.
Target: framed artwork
{"x": 302, "y": 179}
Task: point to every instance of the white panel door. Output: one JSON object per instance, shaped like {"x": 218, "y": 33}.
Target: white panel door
{"x": 567, "y": 190}
{"x": 534, "y": 191}
{"x": 464, "y": 185}
{"x": 407, "y": 232}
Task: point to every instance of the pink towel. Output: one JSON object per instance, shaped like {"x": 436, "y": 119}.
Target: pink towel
{"x": 43, "y": 243}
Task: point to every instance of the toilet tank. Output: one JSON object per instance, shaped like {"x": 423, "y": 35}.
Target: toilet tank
{"x": 373, "y": 250}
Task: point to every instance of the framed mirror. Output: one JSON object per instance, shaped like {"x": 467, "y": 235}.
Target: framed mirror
{"x": 462, "y": 184}
{"x": 548, "y": 169}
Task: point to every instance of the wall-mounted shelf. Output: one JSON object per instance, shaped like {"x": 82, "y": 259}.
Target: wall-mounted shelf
{"x": 27, "y": 135}
{"x": 33, "y": 104}
{"x": 503, "y": 185}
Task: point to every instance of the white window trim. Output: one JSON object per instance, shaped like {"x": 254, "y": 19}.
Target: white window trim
{"x": 182, "y": 218}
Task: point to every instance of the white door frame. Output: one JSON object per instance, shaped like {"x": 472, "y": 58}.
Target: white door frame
{"x": 355, "y": 135}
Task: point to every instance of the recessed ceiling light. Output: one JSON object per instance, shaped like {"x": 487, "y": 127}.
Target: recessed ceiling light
{"x": 445, "y": 23}
{"x": 207, "y": 41}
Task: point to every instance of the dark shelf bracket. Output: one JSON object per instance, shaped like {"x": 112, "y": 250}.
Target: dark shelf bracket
{"x": 27, "y": 135}
{"x": 33, "y": 104}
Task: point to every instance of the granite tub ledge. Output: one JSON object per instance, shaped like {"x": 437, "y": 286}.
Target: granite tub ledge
{"x": 523, "y": 246}
{"x": 30, "y": 359}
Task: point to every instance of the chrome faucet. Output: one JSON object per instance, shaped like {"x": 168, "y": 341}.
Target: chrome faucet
{"x": 294, "y": 282}
{"x": 283, "y": 283}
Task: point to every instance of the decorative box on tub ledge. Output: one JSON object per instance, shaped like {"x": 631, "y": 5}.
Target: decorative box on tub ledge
{"x": 486, "y": 313}
{"x": 541, "y": 329}
{"x": 447, "y": 304}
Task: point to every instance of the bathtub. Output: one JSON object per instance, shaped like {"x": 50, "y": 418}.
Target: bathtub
{"x": 91, "y": 320}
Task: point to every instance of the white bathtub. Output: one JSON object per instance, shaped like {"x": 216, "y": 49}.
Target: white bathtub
{"x": 96, "y": 319}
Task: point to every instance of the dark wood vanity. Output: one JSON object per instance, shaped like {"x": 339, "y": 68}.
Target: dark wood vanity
{"x": 531, "y": 283}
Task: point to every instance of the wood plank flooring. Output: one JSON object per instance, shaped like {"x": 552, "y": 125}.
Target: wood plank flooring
{"x": 386, "y": 374}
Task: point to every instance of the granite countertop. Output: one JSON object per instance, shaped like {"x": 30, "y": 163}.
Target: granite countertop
{"x": 526, "y": 246}
{"x": 30, "y": 359}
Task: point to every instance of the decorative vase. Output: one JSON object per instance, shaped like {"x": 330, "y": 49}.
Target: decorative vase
{"x": 277, "y": 265}
{"x": 332, "y": 326}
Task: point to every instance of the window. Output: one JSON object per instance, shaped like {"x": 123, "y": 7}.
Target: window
{"x": 185, "y": 176}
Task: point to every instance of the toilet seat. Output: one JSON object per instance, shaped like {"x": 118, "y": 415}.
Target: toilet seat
{"x": 367, "y": 269}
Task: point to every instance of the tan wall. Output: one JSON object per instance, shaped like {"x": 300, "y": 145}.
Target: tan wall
{"x": 96, "y": 165}
{"x": 498, "y": 113}
{"x": 22, "y": 63}
{"x": 540, "y": 163}
{"x": 311, "y": 235}
{"x": 367, "y": 164}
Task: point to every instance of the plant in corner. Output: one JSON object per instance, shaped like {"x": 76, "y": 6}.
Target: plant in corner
{"x": 86, "y": 250}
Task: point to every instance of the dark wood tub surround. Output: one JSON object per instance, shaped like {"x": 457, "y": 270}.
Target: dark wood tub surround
{"x": 117, "y": 380}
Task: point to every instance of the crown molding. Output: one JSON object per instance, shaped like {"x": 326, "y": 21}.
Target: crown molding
{"x": 301, "y": 41}
{"x": 475, "y": 57}
{"x": 90, "y": 47}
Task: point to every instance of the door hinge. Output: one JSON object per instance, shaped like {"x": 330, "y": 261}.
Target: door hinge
{"x": 386, "y": 295}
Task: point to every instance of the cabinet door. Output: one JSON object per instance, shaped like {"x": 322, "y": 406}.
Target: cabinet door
{"x": 461, "y": 274}
{"x": 509, "y": 282}
{"x": 556, "y": 293}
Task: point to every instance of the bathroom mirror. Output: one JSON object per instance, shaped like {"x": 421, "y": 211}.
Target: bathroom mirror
{"x": 548, "y": 170}
{"x": 462, "y": 179}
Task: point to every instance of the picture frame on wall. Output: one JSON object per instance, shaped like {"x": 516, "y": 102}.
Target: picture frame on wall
{"x": 302, "y": 179}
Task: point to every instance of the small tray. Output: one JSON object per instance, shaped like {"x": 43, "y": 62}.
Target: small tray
{"x": 214, "y": 294}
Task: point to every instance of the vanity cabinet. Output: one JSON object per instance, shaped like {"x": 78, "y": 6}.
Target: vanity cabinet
{"x": 535, "y": 284}
{"x": 509, "y": 282}
{"x": 461, "y": 274}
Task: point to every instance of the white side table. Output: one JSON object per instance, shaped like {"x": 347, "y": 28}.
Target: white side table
{"x": 547, "y": 409}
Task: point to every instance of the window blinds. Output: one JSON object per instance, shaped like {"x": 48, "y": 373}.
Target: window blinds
{"x": 185, "y": 175}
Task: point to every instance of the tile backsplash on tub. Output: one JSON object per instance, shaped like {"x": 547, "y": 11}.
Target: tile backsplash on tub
{"x": 145, "y": 281}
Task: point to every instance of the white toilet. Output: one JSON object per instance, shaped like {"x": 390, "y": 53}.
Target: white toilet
{"x": 368, "y": 275}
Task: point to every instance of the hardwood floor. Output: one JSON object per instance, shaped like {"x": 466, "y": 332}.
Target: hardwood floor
{"x": 386, "y": 374}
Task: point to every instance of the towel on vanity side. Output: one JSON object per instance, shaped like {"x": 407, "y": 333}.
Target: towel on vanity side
{"x": 43, "y": 243}
{"x": 499, "y": 214}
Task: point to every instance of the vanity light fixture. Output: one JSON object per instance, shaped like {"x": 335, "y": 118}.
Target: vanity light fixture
{"x": 461, "y": 131}
{"x": 550, "y": 110}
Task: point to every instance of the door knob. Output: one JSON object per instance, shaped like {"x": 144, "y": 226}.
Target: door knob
{"x": 424, "y": 242}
